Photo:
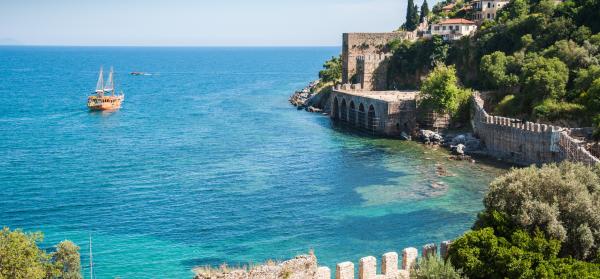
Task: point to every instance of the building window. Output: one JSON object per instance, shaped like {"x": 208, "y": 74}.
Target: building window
{"x": 488, "y": 16}
{"x": 489, "y": 5}
{"x": 436, "y": 28}
{"x": 456, "y": 28}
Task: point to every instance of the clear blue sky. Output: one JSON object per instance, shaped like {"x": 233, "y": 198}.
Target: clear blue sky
{"x": 194, "y": 23}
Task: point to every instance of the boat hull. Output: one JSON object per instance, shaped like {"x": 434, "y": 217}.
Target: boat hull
{"x": 104, "y": 103}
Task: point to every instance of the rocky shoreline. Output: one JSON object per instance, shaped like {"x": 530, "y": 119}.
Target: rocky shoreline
{"x": 302, "y": 99}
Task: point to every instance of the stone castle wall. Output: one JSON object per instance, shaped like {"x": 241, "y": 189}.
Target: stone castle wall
{"x": 526, "y": 142}
{"x": 372, "y": 71}
{"x": 305, "y": 267}
{"x": 388, "y": 113}
{"x": 368, "y": 45}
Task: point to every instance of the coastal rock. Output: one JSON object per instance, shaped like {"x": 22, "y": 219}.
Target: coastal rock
{"x": 469, "y": 142}
{"x": 430, "y": 137}
{"x": 458, "y": 149}
{"x": 301, "y": 98}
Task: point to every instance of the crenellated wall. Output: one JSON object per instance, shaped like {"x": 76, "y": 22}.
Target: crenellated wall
{"x": 523, "y": 142}
{"x": 390, "y": 265}
{"x": 305, "y": 267}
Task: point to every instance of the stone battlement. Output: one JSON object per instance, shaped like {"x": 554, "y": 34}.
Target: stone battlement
{"x": 524, "y": 142}
{"x": 391, "y": 267}
{"x": 305, "y": 267}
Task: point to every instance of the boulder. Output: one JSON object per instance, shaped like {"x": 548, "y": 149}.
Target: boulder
{"x": 458, "y": 149}
{"x": 428, "y": 136}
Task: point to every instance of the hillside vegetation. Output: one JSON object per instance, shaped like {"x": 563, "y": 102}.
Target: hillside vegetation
{"x": 541, "y": 58}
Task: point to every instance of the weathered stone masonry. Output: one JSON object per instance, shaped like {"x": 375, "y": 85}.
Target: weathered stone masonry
{"x": 305, "y": 267}
{"x": 386, "y": 113}
{"x": 526, "y": 143}
{"x": 364, "y": 58}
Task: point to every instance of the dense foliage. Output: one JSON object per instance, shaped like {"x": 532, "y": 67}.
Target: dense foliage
{"x": 412, "y": 16}
{"x": 561, "y": 200}
{"x": 542, "y": 58}
{"x": 424, "y": 11}
{"x": 332, "y": 70}
{"x": 20, "y": 257}
{"x": 537, "y": 223}
{"x": 433, "y": 267}
{"x": 484, "y": 253}
{"x": 413, "y": 60}
{"x": 440, "y": 91}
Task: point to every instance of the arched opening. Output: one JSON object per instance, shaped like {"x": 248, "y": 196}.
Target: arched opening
{"x": 352, "y": 113}
{"x": 371, "y": 119}
{"x": 344, "y": 111}
{"x": 335, "y": 110}
{"x": 361, "y": 115}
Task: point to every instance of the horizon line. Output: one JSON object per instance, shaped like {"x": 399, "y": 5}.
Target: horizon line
{"x": 174, "y": 46}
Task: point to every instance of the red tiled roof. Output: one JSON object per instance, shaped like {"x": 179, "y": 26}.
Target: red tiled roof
{"x": 457, "y": 21}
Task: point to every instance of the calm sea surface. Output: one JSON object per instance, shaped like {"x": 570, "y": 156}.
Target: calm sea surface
{"x": 207, "y": 162}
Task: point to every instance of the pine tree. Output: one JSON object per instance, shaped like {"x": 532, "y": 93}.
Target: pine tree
{"x": 415, "y": 17}
{"x": 424, "y": 11}
{"x": 410, "y": 15}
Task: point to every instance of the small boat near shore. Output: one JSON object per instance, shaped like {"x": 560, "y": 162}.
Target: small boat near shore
{"x": 105, "y": 98}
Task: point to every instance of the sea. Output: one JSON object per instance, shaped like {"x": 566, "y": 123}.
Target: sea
{"x": 207, "y": 163}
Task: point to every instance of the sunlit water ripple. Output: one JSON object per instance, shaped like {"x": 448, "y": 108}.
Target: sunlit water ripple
{"x": 206, "y": 162}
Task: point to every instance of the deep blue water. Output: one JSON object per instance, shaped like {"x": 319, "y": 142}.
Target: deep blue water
{"x": 207, "y": 162}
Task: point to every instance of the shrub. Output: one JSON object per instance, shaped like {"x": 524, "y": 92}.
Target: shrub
{"x": 553, "y": 110}
{"x": 433, "y": 267}
{"x": 494, "y": 69}
{"x": 509, "y": 105}
{"x": 484, "y": 254}
{"x": 440, "y": 91}
{"x": 543, "y": 78}
{"x": 563, "y": 200}
{"x": 332, "y": 71}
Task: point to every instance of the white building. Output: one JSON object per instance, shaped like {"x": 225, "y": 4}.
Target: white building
{"x": 487, "y": 9}
{"x": 452, "y": 29}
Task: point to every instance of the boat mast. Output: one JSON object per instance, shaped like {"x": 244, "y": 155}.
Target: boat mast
{"x": 110, "y": 86}
{"x": 91, "y": 259}
{"x": 100, "y": 83}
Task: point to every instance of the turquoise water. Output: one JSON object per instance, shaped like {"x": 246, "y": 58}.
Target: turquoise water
{"x": 207, "y": 162}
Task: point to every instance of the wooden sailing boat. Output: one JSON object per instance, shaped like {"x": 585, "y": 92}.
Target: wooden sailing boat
{"x": 105, "y": 97}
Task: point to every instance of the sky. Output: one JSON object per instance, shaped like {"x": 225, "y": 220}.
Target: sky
{"x": 194, "y": 23}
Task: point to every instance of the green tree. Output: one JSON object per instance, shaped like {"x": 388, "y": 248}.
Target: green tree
{"x": 495, "y": 69}
{"x": 67, "y": 260}
{"x": 412, "y": 16}
{"x": 585, "y": 78}
{"x": 483, "y": 253}
{"x": 20, "y": 256}
{"x": 440, "y": 91}
{"x": 543, "y": 78}
{"x": 432, "y": 267}
{"x": 560, "y": 199}
{"x": 573, "y": 55}
{"x": 516, "y": 9}
{"x": 424, "y": 11}
{"x": 332, "y": 70}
